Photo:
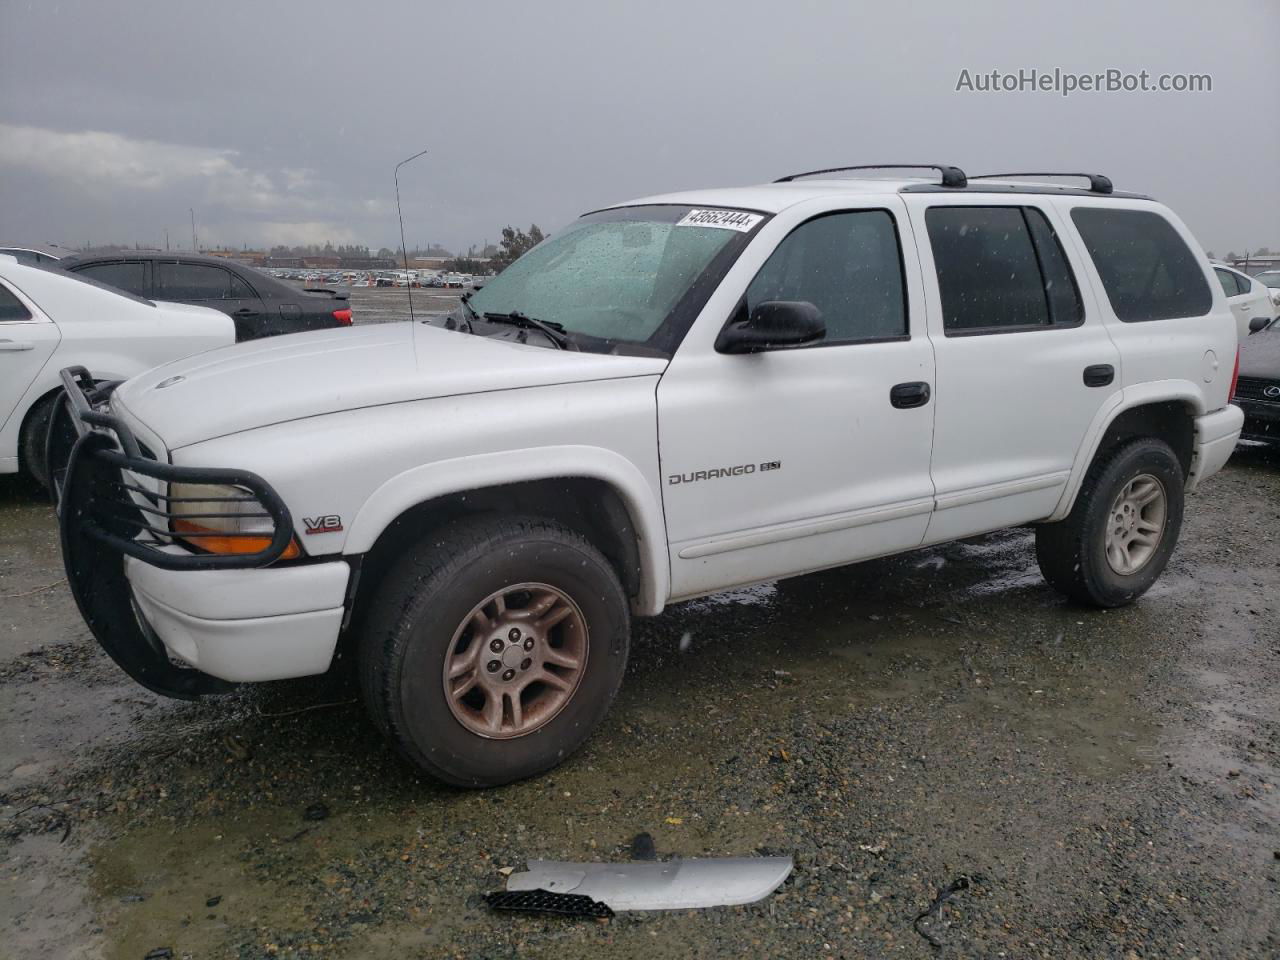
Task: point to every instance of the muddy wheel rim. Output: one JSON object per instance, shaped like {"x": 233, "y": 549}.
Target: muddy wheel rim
{"x": 1135, "y": 524}
{"x": 515, "y": 660}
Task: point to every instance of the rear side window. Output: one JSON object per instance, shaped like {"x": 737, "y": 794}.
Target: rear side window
{"x": 1000, "y": 269}
{"x": 11, "y": 308}
{"x": 849, "y": 266}
{"x": 1149, "y": 273}
{"x": 240, "y": 290}
{"x": 1232, "y": 285}
{"x": 123, "y": 276}
{"x": 191, "y": 281}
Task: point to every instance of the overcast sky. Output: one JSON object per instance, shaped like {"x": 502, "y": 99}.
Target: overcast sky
{"x": 281, "y": 122}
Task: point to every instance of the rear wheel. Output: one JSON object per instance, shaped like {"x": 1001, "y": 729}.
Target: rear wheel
{"x": 1119, "y": 535}
{"x": 32, "y": 441}
{"x": 494, "y": 648}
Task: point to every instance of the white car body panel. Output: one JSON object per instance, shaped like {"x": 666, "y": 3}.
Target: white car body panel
{"x": 364, "y": 425}
{"x": 391, "y": 457}
{"x": 78, "y": 324}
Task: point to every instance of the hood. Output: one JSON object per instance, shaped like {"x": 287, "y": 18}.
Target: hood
{"x": 279, "y": 379}
{"x": 1260, "y": 355}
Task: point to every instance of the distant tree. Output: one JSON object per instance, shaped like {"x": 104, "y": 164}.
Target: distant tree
{"x": 515, "y": 244}
{"x": 1211, "y": 255}
{"x": 1262, "y": 252}
{"x": 386, "y": 252}
{"x": 1231, "y": 255}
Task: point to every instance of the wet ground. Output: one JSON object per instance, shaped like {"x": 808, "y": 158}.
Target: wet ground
{"x": 1087, "y": 784}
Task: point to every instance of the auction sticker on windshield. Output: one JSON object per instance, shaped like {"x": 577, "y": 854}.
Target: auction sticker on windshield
{"x": 724, "y": 219}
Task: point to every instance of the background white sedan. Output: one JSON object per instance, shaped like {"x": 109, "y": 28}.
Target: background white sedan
{"x": 50, "y": 319}
{"x": 1247, "y": 296}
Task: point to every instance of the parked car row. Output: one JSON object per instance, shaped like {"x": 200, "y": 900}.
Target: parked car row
{"x": 379, "y": 278}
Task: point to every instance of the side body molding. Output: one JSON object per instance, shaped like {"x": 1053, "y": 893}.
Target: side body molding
{"x": 1157, "y": 391}
{"x": 443, "y": 477}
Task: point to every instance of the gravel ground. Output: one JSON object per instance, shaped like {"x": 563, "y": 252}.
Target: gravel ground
{"x": 1089, "y": 784}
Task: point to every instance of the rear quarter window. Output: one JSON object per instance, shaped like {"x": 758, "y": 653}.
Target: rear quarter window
{"x": 1146, "y": 269}
{"x": 11, "y": 308}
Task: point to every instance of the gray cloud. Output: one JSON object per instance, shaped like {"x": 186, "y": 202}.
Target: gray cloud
{"x": 282, "y": 122}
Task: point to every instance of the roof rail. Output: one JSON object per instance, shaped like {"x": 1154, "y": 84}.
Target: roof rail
{"x": 951, "y": 176}
{"x": 1097, "y": 182}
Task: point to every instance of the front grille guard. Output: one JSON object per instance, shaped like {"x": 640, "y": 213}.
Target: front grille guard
{"x": 110, "y": 507}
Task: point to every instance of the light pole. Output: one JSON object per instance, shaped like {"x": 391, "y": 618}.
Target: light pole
{"x": 404, "y": 250}
{"x": 195, "y": 247}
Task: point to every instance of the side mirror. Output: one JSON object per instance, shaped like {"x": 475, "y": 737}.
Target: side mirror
{"x": 1258, "y": 323}
{"x": 772, "y": 324}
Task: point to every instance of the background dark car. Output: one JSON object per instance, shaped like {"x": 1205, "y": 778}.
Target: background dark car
{"x": 260, "y": 305}
{"x": 1258, "y": 389}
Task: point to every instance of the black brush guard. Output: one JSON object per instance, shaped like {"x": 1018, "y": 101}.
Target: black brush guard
{"x": 104, "y": 515}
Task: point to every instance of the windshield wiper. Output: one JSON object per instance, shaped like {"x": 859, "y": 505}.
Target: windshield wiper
{"x": 554, "y": 332}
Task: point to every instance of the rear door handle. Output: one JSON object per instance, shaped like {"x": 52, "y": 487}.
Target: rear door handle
{"x": 246, "y": 312}
{"x": 13, "y": 346}
{"x": 904, "y": 396}
{"x": 1099, "y": 375}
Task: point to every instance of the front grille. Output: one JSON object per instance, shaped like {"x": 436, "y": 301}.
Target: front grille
{"x": 1252, "y": 388}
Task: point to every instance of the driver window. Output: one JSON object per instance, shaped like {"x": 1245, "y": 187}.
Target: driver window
{"x": 846, "y": 264}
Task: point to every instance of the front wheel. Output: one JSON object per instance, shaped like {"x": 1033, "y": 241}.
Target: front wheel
{"x": 1119, "y": 535}
{"x": 494, "y": 648}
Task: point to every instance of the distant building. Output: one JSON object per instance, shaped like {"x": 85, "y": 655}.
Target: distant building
{"x": 250, "y": 258}
{"x": 1258, "y": 264}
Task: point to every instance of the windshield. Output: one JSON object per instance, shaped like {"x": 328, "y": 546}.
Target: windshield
{"x": 620, "y": 276}
{"x": 1271, "y": 278}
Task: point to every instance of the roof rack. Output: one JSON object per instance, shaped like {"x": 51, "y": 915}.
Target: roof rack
{"x": 1097, "y": 182}
{"x": 951, "y": 176}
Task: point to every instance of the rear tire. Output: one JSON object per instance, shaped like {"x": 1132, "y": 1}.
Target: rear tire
{"x": 1119, "y": 535}
{"x": 435, "y": 615}
{"x": 32, "y": 442}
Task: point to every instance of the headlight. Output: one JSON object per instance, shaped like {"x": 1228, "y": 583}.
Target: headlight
{"x": 218, "y": 518}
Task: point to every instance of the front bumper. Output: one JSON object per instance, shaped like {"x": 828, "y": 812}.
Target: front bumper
{"x": 150, "y": 602}
{"x": 245, "y": 625}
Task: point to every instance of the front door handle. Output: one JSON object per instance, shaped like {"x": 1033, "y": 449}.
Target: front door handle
{"x": 1099, "y": 375}
{"x": 246, "y": 312}
{"x": 13, "y": 346}
{"x": 904, "y": 396}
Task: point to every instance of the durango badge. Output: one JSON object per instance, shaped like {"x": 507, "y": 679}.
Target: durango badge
{"x": 332, "y": 523}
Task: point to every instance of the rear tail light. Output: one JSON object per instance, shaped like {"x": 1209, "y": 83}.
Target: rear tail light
{"x": 343, "y": 317}
{"x": 1235, "y": 376}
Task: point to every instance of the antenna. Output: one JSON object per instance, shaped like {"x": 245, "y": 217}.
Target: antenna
{"x": 403, "y": 249}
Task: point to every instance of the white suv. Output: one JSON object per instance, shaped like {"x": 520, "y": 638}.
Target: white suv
{"x": 670, "y": 397}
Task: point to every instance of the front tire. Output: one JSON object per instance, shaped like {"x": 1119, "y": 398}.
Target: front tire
{"x": 1119, "y": 535}
{"x": 493, "y": 649}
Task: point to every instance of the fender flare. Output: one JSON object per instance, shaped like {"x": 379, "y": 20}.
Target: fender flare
{"x": 1138, "y": 395}
{"x": 443, "y": 477}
